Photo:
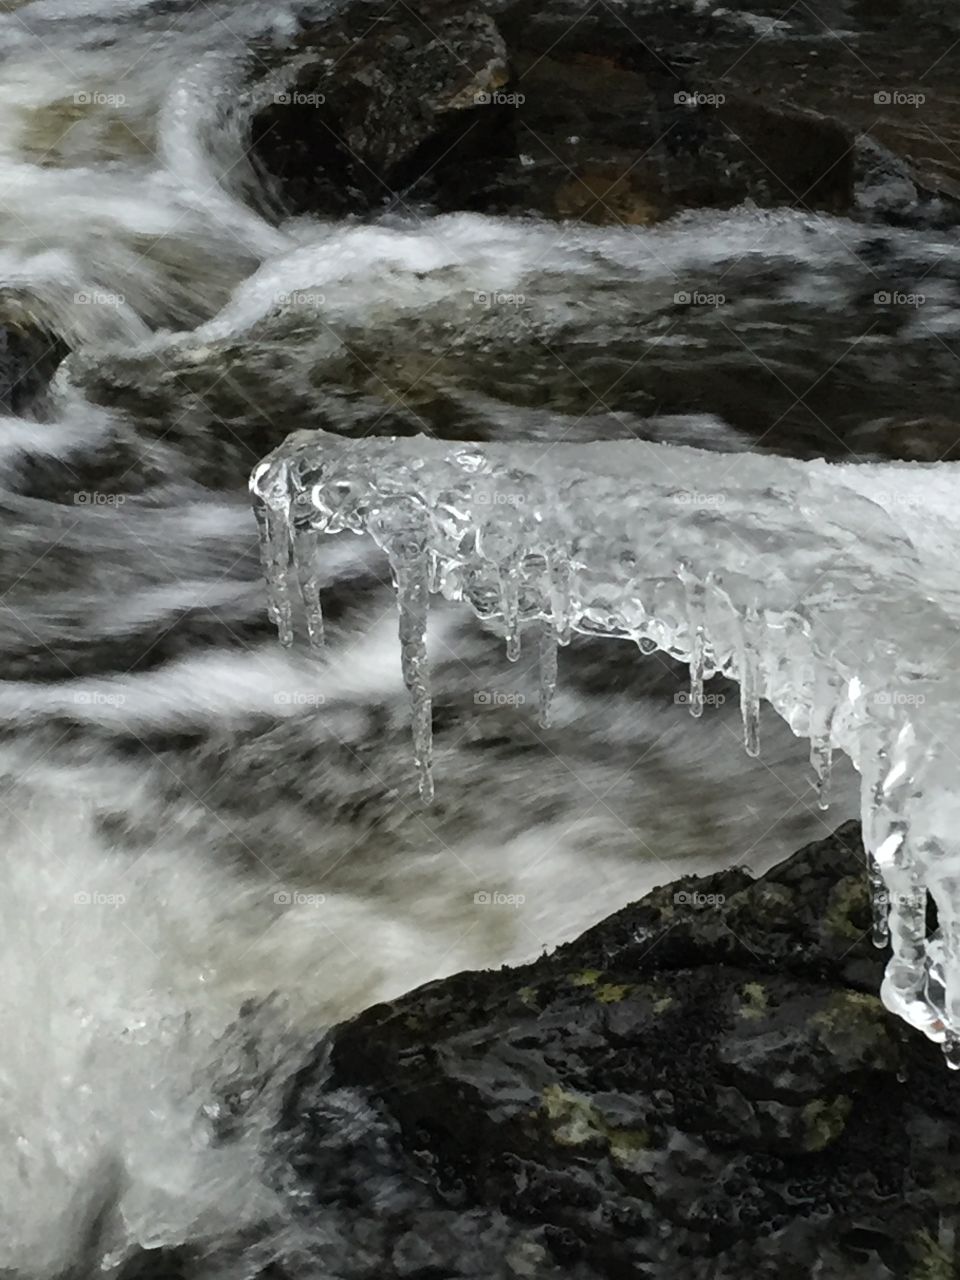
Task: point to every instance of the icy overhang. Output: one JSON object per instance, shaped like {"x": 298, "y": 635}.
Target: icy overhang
{"x": 829, "y": 590}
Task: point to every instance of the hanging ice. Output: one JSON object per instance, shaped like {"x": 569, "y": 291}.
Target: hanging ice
{"x": 831, "y": 591}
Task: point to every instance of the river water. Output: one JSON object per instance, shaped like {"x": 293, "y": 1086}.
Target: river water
{"x": 211, "y": 848}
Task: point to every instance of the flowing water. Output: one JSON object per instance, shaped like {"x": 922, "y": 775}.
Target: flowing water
{"x": 210, "y": 846}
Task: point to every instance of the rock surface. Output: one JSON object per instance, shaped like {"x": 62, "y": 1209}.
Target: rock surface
{"x": 619, "y": 113}
{"x": 28, "y": 360}
{"x": 703, "y": 1085}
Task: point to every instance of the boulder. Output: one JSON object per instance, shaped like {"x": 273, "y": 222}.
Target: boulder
{"x": 704, "y": 1085}
{"x": 29, "y": 356}
{"x": 534, "y": 108}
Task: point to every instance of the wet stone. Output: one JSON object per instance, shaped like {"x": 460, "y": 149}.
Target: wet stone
{"x": 671, "y": 1094}
{"x": 29, "y": 357}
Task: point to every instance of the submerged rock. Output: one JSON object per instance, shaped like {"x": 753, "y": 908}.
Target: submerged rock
{"x": 29, "y": 357}
{"x": 703, "y": 1085}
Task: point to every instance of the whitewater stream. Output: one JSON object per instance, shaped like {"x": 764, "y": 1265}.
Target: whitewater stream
{"x": 211, "y": 848}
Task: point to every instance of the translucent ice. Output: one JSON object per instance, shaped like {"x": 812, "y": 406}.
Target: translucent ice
{"x": 828, "y": 590}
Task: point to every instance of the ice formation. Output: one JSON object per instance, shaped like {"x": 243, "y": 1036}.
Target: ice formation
{"x": 827, "y": 590}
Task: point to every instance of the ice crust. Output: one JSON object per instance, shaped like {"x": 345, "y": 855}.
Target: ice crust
{"x": 828, "y": 590}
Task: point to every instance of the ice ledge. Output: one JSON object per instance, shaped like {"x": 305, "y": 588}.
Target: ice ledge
{"x": 829, "y": 590}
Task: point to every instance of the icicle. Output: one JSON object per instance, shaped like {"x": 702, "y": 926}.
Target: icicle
{"x": 907, "y": 915}
{"x": 696, "y": 619}
{"x": 560, "y": 576}
{"x": 822, "y": 710}
{"x": 821, "y": 758}
{"x": 548, "y": 671}
{"x": 270, "y": 487}
{"x": 945, "y": 890}
{"x": 436, "y": 572}
{"x": 750, "y": 681}
{"x": 413, "y": 600}
{"x": 510, "y": 607}
{"x": 305, "y": 554}
{"x": 878, "y": 903}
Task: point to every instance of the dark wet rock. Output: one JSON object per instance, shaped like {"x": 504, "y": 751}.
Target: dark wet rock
{"x": 882, "y": 70}
{"x": 619, "y": 113}
{"x": 384, "y": 96}
{"x": 532, "y": 108}
{"x": 703, "y": 1085}
{"x": 29, "y": 357}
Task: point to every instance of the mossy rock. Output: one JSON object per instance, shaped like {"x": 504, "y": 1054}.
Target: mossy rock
{"x": 744, "y": 1107}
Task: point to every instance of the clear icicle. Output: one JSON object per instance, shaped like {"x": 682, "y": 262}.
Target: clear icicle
{"x": 821, "y": 758}
{"x": 276, "y": 560}
{"x": 306, "y": 560}
{"x": 270, "y": 486}
{"x": 696, "y": 621}
{"x": 907, "y": 914}
{"x": 548, "y": 671}
{"x": 878, "y": 903}
{"x": 510, "y": 606}
{"x": 945, "y": 891}
{"x": 750, "y": 681}
{"x": 560, "y": 575}
{"x": 413, "y": 602}
{"x": 821, "y": 731}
